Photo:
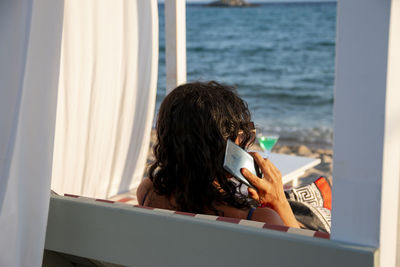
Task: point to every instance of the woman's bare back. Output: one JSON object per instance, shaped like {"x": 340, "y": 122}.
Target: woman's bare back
{"x": 147, "y": 197}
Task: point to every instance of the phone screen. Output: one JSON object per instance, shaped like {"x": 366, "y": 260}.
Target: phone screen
{"x": 235, "y": 159}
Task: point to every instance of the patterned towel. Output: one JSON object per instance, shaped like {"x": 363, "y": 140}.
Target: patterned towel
{"x": 317, "y": 194}
{"x": 311, "y": 204}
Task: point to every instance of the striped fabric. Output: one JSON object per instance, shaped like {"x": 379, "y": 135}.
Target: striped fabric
{"x": 126, "y": 200}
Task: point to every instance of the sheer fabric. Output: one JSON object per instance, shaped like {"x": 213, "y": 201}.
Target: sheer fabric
{"x": 106, "y": 96}
{"x": 30, "y": 40}
{"x": 97, "y": 143}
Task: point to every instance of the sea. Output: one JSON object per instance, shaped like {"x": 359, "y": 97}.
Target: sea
{"x": 280, "y": 57}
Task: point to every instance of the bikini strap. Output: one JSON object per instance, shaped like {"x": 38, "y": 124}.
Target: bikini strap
{"x": 250, "y": 214}
{"x": 144, "y": 198}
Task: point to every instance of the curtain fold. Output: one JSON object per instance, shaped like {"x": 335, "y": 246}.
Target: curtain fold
{"x": 106, "y": 96}
{"x": 30, "y": 34}
{"x": 93, "y": 140}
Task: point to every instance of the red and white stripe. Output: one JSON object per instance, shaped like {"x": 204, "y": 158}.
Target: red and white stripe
{"x": 124, "y": 201}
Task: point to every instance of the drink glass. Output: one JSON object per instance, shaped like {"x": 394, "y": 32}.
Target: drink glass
{"x": 267, "y": 142}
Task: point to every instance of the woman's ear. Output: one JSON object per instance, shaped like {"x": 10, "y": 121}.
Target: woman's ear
{"x": 237, "y": 141}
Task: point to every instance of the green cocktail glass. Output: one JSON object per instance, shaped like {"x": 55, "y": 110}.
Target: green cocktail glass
{"x": 267, "y": 142}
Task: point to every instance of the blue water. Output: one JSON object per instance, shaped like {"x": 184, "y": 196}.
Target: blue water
{"x": 279, "y": 56}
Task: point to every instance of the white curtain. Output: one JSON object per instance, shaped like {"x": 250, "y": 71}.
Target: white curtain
{"x": 106, "y": 97}
{"x": 30, "y": 40}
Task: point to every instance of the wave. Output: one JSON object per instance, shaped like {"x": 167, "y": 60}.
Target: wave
{"x": 322, "y": 45}
{"x": 326, "y": 44}
{"x": 230, "y": 48}
{"x": 295, "y": 98}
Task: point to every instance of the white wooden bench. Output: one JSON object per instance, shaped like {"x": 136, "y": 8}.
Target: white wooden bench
{"x": 133, "y": 236}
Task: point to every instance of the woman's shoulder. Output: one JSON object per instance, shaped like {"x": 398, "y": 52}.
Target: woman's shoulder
{"x": 146, "y": 196}
{"x": 267, "y": 215}
{"x": 145, "y": 186}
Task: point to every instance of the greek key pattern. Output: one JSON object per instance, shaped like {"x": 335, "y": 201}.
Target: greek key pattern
{"x": 309, "y": 194}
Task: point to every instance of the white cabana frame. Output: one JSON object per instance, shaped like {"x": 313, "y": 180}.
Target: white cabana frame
{"x": 366, "y": 124}
{"x": 175, "y": 43}
{"x": 366, "y": 145}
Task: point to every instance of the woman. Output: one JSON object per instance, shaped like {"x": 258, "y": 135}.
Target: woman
{"x": 194, "y": 123}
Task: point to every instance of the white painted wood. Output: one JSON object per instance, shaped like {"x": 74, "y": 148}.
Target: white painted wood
{"x": 366, "y": 132}
{"x": 131, "y": 236}
{"x": 389, "y": 228}
{"x": 175, "y": 43}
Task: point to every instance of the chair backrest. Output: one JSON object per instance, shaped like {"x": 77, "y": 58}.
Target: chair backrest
{"x": 128, "y": 235}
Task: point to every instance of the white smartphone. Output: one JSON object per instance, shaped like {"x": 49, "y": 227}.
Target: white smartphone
{"x": 235, "y": 159}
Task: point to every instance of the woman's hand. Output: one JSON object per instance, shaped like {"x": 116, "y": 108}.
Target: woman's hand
{"x": 270, "y": 189}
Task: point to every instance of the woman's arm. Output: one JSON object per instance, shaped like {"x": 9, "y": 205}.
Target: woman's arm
{"x": 270, "y": 190}
{"x": 267, "y": 215}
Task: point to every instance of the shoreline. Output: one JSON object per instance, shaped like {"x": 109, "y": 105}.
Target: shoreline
{"x": 310, "y": 145}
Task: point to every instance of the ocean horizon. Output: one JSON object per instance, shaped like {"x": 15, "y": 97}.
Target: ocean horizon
{"x": 278, "y": 56}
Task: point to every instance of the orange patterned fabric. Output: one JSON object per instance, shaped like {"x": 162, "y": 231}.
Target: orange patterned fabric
{"x": 326, "y": 192}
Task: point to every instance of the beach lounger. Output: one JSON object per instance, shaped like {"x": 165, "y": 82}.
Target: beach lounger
{"x": 292, "y": 167}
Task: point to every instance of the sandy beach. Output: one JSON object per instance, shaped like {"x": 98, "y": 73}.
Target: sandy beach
{"x": 285, "y": 147}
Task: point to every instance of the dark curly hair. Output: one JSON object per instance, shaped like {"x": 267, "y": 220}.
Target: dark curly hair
{"x": 194, "y": 122}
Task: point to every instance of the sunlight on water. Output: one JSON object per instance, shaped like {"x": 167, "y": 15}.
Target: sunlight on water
{"x": 279, "y": 56}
